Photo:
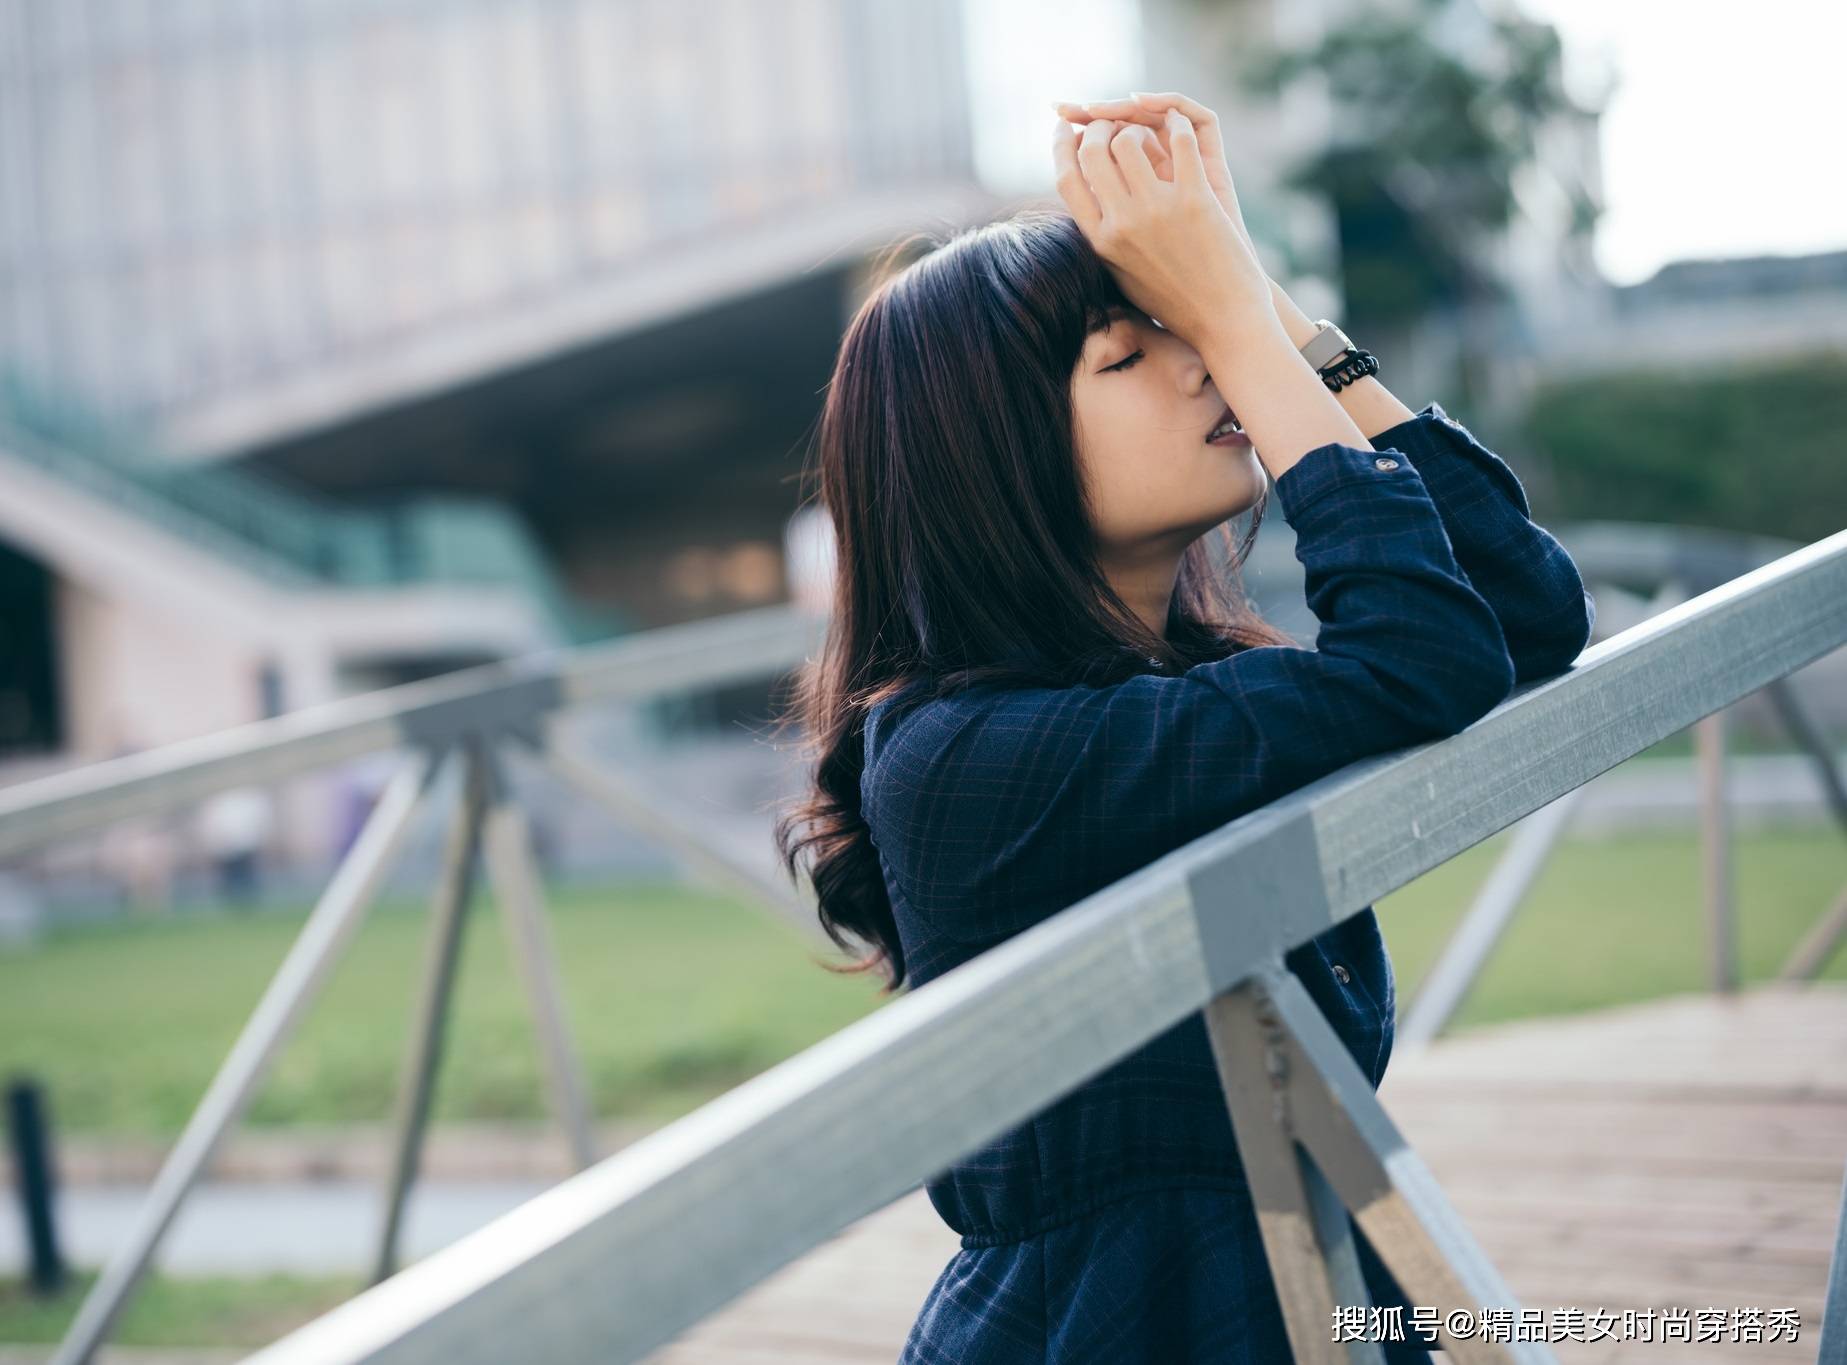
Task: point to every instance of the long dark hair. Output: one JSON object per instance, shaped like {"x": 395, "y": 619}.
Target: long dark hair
{"x": 964, "y": 552}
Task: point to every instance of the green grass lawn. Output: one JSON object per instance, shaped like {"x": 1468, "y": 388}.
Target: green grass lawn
{"x": 164, "y": 1311}
{"x": 675, "y": 994}
{"x": 1612, "y": 921}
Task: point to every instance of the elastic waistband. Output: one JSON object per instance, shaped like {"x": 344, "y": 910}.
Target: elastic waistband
{"x": 978, "y": 1238}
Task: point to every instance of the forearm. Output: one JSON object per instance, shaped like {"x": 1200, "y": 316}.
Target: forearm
{"x": 1371, "y": 405}
{"x": 1281, "y": 402}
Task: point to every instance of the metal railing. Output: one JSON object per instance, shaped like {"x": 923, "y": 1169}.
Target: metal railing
{"x": 1669, "y": 563}
{"x": 624, "y": 1256}
{"x": 475, "y": 717}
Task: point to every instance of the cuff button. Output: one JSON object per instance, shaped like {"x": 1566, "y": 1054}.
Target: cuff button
{"x": 1385, "y": 463}
{"x": 1341, "y": 972}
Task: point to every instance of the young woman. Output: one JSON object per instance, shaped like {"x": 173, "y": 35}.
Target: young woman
{"x": 1037, "y": 679}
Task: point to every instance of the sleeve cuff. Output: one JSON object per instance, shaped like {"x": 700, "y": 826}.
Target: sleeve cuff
{"x": 1328, "y": 469}
{"x": 1432, "y": 434}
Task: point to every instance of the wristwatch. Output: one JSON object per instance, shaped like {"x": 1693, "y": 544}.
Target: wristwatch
{"x": 1326, "y": 346}
{"x": 1335, "y": 358}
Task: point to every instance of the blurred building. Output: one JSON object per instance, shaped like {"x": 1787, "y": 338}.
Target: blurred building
{"x": 1707, "y": 312}
{"x": 344, "y": 343}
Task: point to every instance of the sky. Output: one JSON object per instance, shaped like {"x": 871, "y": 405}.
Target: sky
{"x": 1721, "y": 138}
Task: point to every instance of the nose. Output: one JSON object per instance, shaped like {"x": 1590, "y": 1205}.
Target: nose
{"x": 1194, "y": 375}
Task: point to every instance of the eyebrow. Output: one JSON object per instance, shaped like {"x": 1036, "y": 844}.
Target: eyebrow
{"x": 1116, "y": 312}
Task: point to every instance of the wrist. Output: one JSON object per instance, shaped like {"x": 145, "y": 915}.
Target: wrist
{"x": 1242, "y": 331}
{"x": 1297, "y": 324}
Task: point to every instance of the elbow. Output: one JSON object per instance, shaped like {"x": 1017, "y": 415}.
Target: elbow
{"x": 1489, "y": 681}
{"x": 1477, "y": 671}
{"x": 1472, "y": 676}
{"x": 1553, "y": 645}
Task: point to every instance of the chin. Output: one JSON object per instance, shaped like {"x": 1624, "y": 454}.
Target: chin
{"x": 1248, "y": 481}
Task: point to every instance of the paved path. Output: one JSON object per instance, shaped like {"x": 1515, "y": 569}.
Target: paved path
{"x": 324, "y": 1228}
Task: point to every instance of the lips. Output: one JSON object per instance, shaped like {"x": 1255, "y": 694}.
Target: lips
{"x": 1226, "y": 420}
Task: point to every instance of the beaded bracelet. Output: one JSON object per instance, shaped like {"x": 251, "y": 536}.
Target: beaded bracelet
{"x": 1355, "y": 364}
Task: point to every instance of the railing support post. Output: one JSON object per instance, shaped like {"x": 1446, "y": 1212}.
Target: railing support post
{"x": 669, "y": 825}
{"x": 1306, "y": 1233}
{"x": 1821, "y": 942}
{"x": 1802, "y": 728}
{"x": 514, "y": 872}
{"x": 330, "y": 927}
{"x": 1474, "y": 940}
{"x": 448, "y": 918}
{"x": 1833, "y": 1345}
{"x": 1716, "y": 854}
{"x": 1320, "y": 1099}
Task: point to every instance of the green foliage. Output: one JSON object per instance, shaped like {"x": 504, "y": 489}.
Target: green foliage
{"x": 1425, "y": 147}
{"x": 1754, "y": 448}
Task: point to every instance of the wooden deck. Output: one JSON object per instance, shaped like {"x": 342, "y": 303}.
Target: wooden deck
{"x": 1688, "y": 1153}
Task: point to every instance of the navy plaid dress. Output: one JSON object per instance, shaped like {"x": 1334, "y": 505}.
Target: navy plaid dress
{"x": 1117, "y": 1225}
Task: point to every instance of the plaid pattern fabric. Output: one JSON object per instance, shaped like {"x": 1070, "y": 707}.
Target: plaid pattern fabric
{"x": 998, "y": 807}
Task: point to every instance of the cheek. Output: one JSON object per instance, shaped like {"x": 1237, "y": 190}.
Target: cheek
{"x": 1145, "y": 480}
{"x": 1139, "y": 490}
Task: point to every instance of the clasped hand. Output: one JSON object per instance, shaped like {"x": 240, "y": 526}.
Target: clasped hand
{"x": 1148, "y": 185}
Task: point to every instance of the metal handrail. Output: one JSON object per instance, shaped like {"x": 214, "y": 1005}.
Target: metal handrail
{"x": 475, "y": 714}
{"x": 688, "y": 1214}
{"x": 620, "y": 1259}
{"x": 509, "y": 695}
{"x": 1670, "y": 563}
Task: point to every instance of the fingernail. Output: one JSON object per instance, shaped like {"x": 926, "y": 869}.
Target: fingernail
{"x": 1138, "y": 94}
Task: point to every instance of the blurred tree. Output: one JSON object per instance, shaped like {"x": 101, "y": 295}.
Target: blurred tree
{"x": 1741, "y": 447}
{"x": 1421, "y": 163}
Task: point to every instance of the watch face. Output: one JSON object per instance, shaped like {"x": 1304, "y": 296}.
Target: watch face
{"x": 1326, "y": 346}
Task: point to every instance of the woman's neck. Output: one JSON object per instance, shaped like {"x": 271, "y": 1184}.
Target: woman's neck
{"x": 1147, "y": 587}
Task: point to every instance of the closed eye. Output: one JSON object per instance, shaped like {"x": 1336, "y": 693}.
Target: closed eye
{"x": 1126, "y": 362}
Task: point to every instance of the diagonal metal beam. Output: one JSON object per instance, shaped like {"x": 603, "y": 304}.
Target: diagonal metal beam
{"x": 514, "y": 872}
{"x": 1819, "y": 944}
{"x": 510, "y": 695}
{"x": 330, "y": 927}
{"x": 1404, "y": 1213}
{"x": 448, "y": 918}
{"x": 1306, "y": 1234}
{"x": 1832, "y": 1349}
{"x": 1800, "y": 723}
{"x": 1473, "y": 942}
{"x": 675, "y": 826}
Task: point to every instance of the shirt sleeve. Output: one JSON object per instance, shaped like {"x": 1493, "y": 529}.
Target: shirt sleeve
{"x": 996, "y": 807}
{"x": 1519, "y": 568}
